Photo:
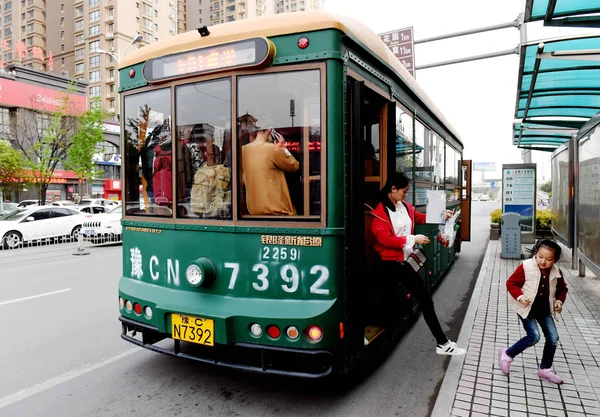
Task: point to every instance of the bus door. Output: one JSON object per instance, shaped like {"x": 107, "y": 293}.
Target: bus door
{"x": 465, "y": 200}
{"x": 367, "y": 172}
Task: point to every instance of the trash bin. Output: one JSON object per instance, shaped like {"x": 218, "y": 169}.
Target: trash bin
{"x": 511, "y": 236}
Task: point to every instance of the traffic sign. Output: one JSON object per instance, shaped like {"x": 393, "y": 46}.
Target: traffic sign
{"x": 493, "y": 185}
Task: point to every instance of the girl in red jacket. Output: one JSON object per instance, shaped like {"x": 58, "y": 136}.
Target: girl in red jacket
{"x": 393, "y": 228}
{"x": 538, "y": 291}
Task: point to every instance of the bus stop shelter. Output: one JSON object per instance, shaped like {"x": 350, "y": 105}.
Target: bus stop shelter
{"x": 558, "y": 94}
{"x": 583, "y": 13}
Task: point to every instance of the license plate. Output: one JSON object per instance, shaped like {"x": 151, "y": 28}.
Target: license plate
{"x": 89, "y": 232}
{"x": 193, "y": 329}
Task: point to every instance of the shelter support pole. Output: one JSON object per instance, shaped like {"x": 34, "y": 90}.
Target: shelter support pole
{"x": 467, "y": 59}
{"x": 514, "y": 24}
{"x": 575, "y": 196}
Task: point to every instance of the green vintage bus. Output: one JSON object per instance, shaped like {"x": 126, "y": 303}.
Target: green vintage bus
{"x": 211, "y": 272}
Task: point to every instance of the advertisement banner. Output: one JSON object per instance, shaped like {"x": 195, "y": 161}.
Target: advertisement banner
{"x": 17, "y": 94}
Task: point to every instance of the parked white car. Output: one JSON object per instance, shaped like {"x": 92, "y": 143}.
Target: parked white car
{"x": 63, "y": 203}
{"x": 97, "y": 202}
{"x": 39, "y": 222}
{"x": 94, "y": 209}
{"x": 104, "y": 227}
{"x": 484, "y": 197}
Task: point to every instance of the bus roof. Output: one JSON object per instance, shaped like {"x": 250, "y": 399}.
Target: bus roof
{"x": 282, "y": 24}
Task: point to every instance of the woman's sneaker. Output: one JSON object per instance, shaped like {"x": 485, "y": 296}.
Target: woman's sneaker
{"x": 450, "y": 348}
{"x": 550, "y": 375}
{"x": 504, "y": 361}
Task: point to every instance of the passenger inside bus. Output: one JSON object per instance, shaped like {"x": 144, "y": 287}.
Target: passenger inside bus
{"x": 265, "y": 160}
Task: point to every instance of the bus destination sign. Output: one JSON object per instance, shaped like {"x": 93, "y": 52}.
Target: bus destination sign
{"x": 248, "y": 53}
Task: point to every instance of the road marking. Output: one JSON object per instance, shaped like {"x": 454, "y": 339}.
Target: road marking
{"x": 60, "y": 379}
{"x": 34, "y": 296}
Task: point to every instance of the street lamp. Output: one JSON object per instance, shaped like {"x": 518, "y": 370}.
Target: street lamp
{"x": 120, "y": 55}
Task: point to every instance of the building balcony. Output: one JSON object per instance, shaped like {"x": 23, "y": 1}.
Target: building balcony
{"x": 109, "y": 19}
{"x": 109, "y": 36}
{"x": 111, "y": 110}
{"x": 110, "y": 80}
{"x": 109, "y": 64}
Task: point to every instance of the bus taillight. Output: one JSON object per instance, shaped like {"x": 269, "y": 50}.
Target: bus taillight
{"x": 273, "y": 332}
{"x": 314, "y": 333}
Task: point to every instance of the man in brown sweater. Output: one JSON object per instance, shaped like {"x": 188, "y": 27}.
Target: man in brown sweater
{"x": 263, "y": 167}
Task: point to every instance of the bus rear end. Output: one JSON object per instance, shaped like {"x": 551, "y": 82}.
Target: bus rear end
{"x": 209, "y": 273}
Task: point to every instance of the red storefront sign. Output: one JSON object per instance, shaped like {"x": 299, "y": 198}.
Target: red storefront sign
{"x": 17, "y": 94}
{"x": 112, "y": 189}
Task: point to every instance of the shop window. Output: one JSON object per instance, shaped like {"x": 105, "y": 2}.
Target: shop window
{"x": 423, "y": 163}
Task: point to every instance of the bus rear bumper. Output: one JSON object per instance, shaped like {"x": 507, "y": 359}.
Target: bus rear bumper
{"x": 242, "y": 356}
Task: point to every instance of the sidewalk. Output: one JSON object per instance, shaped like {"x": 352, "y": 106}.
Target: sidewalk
{"x": 474, "y": 386}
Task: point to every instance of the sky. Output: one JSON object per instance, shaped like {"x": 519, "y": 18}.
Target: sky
{"x": 478, "y": 98}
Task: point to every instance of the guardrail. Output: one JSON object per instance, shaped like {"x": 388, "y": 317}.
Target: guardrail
{"x": 10, "y": 243}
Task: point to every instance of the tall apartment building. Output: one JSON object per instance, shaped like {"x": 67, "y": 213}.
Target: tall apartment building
{"x": 213, "y": 12}
{"x": 289, "y": 6}
{"x": 68, "y": 37}
{"x": 23, "y": 33}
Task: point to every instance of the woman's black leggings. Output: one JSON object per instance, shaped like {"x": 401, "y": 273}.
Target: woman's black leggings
{"x": 412, "y": 282}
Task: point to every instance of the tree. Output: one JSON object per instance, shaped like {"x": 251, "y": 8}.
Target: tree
{"x": 12, "y": 173}
{"x": 44, "y": 139}
{"x": 80, "y": 155}
{"x": 547, "y": 187}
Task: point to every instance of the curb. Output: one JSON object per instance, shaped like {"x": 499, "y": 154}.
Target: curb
{"x": 445, "y": 399}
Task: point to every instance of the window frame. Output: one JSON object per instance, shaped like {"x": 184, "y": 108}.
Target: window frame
{"x": 237, "y": 220}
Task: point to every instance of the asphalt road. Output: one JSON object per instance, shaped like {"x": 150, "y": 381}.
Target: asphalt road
{"x": 61, "y": 352}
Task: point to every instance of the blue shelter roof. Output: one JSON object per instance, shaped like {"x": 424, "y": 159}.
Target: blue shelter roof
{"x": 564, "y": 12}
{"x": 558, "y": 91}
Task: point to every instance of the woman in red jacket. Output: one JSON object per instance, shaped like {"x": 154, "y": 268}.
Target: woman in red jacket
{"x": 393, "y": 228}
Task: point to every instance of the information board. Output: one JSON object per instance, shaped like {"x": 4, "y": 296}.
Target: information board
{"x": 518, "y": 193}
{"x": 401, "y": 43}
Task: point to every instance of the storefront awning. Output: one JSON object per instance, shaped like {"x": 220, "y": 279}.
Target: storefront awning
{"x": 564, "y": 12}
{"x": 558, "y": 91}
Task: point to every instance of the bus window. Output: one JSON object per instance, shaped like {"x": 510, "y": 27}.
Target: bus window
{"x": 148, "y": 156}
{"x": 405, "y": 147}
{"x": 452, "y": 169}
{"x": 423, "y": 167}
{"x": 203, "y": 117}
{"x": 279, "y": 130}
{"x": 438, "y": 158}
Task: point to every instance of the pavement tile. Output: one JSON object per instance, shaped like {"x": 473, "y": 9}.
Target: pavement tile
{"x": 536, "y": 409}
{"x": 464, "y": 397}
{"x": 457, "y": 412}
{"x": 573, "y": 407}
{"x": 536, "y": 402}
{"x": 499, "y": 412}
{"x": 592, "y": 411}
{"x": 499, "y": 404}
{"x": 484, "y": 409}
{"x": 462, "y": 404}
{"x": 589, "y": 403}
{"x": 482, "y": 401}
{"x": 555, "y": 413}
{"x": 517, "y": 407}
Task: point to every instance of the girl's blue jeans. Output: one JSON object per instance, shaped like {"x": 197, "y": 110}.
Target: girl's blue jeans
{"x": 548, "y": 326}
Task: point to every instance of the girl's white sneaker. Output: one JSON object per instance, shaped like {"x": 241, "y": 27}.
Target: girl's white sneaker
{"x": 450, "y": 348}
